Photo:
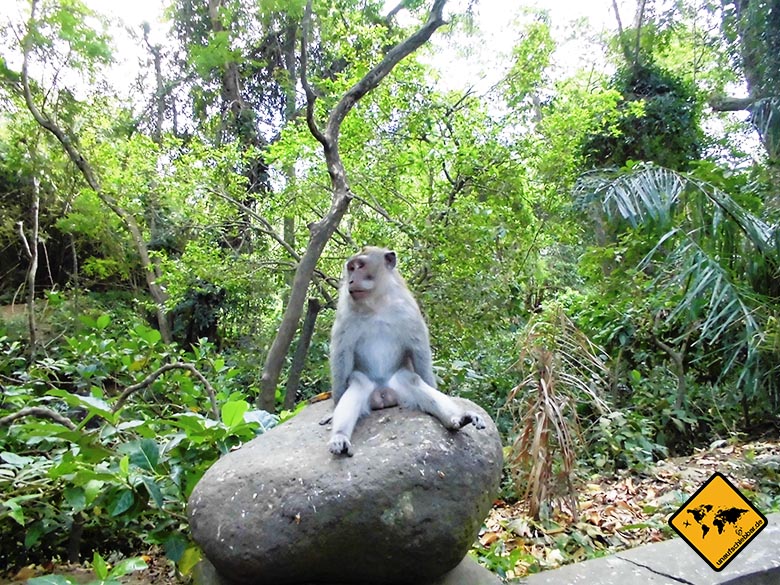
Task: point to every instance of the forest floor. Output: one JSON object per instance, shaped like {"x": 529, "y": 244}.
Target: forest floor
{"x": 625, "y": 510}
{"x": 616, "y": 512}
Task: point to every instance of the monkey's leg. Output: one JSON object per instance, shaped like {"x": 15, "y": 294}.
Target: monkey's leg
{"x": 353, "y": 404}
{"x": 413, "y": 392}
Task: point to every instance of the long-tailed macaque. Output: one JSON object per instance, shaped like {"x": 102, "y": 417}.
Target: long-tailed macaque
{"x": 380, "y": 355}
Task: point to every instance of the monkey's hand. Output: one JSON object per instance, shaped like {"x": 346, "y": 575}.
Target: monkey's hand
{"x": 340, "y": 445}
{"x": 326, "y": 419}
{"x": 458, "y": 422}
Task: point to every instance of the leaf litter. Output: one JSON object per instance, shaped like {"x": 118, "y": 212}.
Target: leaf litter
{"x": 623, "y": 510}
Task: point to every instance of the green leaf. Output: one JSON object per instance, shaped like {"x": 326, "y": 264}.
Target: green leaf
{"x": 144, "y": 453}
{"x": 103, "y": 321}
{"x": 121, "y": 503}
{"x": 154, "y": 490}
{"x": 33, "y": 534}
{"x": 175, "y": 547}
{"x": 92, "y": 489}
{"x": 50, "y": 580}
{"x": 233, "y": 413}
{"x": 189, "y": 559}
{"x": 149, "y": 335}
{"x": 15, "y": 460}
{"x": 15, "y": 511}
{"x": 95, "y": 406}
{"x": 76, "y": 498}
{"x": 127, "y": 566}
{"x": 191, "y": 422}
{"x": 99, "y": 566}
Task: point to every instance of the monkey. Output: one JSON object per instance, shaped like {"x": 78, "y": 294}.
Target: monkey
{"x": 380, "y": 352}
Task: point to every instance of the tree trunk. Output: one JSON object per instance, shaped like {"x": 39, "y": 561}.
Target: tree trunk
{"x": 159, "y": 94}
{"x": 299, "y": 358}
{"x": 321, "y": 231}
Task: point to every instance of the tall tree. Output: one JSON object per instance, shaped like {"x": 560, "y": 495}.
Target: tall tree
{"x": 321, "y": 231}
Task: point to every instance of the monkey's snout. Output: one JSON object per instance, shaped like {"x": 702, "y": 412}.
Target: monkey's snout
{"x": 358, "y": 293}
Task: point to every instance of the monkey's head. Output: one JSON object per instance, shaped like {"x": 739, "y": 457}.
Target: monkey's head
{"x": 369, "y": 272}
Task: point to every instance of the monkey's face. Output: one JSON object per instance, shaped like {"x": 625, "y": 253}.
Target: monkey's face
{"x": 361, "y": 277}
{"x": 365, "y": 272}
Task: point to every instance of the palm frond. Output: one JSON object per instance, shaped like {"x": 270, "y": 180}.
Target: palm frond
{"x": 653, "y": 194}
{"x": 709, "y": 242}
{"x": 727, "y": 317}
{"x": 649, "y": 193}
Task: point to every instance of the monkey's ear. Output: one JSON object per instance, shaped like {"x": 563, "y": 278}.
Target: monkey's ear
{"x": 390, "y": 260}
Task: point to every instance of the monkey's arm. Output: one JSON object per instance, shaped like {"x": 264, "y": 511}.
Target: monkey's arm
{"x": 422, "y": 361}
{"x": 342, "y": 362}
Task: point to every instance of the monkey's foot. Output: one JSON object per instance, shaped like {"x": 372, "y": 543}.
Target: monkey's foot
{"x": 340, "y": 445}
{"x": 458, "y": 422}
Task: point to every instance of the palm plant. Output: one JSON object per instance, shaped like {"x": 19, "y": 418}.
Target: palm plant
{"x": 717, "y": 263}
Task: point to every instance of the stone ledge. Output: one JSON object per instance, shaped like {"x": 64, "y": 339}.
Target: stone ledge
{"x": 672, "y": 562}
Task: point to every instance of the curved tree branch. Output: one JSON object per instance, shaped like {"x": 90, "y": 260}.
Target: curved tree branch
{"x": 372, "y": 79}
{"x": 40, "y": 412}
{"x": 730, "y": 104}
{"x": 130, "y": 390}
{"x": 267, "y": 227}
{"x": 311, "y": 96}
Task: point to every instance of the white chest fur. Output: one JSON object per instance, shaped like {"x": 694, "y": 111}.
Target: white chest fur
{"x": 381, "y": 350}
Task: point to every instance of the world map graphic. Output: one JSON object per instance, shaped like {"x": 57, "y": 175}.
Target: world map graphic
{"x": 721, "y": 517}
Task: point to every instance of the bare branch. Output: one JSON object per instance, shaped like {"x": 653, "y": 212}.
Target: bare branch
{"x": 372, "y": 79}
{"x": 161, "y": 370}
{"x": 393, "y": 12}
{"x": 323, "y": 230}
{"x": 640, "y": 13}
{"x": 267, "y": 227}
{"x": 23, "y": 237}
{"x": 311, "y": 96}
{"x": 621, "y": 35}
{"x": 40, "y": 412}
{"x": 730, "y": 104}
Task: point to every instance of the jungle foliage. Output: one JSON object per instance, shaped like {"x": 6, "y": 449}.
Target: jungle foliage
{"x": 597, "y": 246}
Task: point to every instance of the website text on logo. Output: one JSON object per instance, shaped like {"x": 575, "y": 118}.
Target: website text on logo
{"x": 718, "y": 521}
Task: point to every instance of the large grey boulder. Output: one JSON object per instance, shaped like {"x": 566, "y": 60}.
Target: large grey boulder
{"x": 404, "y": 510}
{"x": 467, "y": 572}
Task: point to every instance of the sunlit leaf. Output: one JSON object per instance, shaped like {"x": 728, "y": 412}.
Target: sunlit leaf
{"x": 127, "y": 566}
{"x": 189, "y": 559}
{"x": 99, "y": 566}
{"x": 233, "y": 412}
